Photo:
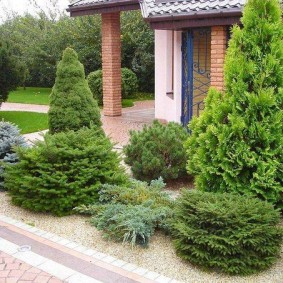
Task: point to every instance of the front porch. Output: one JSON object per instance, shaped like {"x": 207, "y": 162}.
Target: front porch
{"x": 185, "y": 66}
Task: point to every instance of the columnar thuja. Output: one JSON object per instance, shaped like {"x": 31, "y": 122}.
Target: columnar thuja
{"x": 237, "y": 143}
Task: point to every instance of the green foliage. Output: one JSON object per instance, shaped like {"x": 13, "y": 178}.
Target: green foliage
{"x": 138, "y": 49}
{"x": 157, "y": 151}
{"x": 9, "y": 74}
{"x": 129, "y": 84}
{"x": 39, "y": 40}
{"x": 230, "y": 233}
{"x": 94, "y": 80}
{"x": 131, "y": 213}
{"x": 237, "y": 143}
{"x": 64, "y": 171}
{"x": 9, "y": 138}
{"x": 128, "y": 223}
{"x": 71, "y": 104}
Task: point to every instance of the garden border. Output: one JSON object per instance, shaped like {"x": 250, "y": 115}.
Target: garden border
{"x": 110, "y": 263}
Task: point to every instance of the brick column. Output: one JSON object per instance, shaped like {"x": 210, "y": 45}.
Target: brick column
{"x": 218, "y": 50}
{"x": 111, "y": 64}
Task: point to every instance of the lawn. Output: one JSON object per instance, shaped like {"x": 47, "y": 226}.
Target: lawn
{"x": 30, "y": 95}
{"x": 28, "y": 122}
{"x": 39, "y": 95}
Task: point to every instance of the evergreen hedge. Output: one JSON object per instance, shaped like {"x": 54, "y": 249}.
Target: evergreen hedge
{"x": 225, "y": 232}
{"x": 236, "y": 144}
{"x": 64, "y": 171}
{"x": 71, "y": 104}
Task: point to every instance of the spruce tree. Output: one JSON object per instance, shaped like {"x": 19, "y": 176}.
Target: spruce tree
{"x": 236, "y": 145}
{"x": 72, "y": 105}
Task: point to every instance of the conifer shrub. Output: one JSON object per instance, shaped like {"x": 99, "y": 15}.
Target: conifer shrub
{"x": 131, "y": 213}
{"x": 157, "y": 151}
{"x": 129, "y": 84}
{"x": 94, "y": 80}
{"x": 64, "y": 171}
{"x": 9, "y": 138}
{"x": 236, "y": 144}
{"x": 71, "y": 103}
{"x": 228, "y": 233}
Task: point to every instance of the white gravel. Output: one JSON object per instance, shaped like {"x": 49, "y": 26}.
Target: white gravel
{"x": 159, "y": 257}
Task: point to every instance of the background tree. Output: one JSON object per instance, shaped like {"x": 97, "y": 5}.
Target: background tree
{"x": 9, "y": 74}
{"x": 39, "y": 40}
{"x": 237, "y": 143}
{"x": 71, "y": 104}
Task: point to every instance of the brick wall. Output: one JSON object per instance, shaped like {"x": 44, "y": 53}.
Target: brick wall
{"x": 218, "y": 49}
{"x": 111, "y": 64}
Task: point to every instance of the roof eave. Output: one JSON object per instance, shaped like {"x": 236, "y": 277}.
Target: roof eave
{"x": 103, "y": 7}
{"x": 230, "y": 12}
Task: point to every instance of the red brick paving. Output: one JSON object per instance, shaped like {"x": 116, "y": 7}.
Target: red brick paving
{"x": 133, "y": 118}
{"x": 13, "y": 270}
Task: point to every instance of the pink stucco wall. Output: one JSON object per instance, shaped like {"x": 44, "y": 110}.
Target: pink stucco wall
{"x": 166, "y": 107}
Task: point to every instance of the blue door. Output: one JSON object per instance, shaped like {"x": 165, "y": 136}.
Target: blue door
{"x": 196, "y": 46}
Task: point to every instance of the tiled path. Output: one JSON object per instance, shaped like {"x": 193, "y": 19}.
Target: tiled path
{"x": 117, "y": 128}
{"x": 14, "y": 270}
{"x": 28, "y": 254}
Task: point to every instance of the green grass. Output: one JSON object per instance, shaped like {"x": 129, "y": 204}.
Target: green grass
{"x": 28, "y": 122}
{"x": 40, "y": 95}
{"x": 30, "y": 95}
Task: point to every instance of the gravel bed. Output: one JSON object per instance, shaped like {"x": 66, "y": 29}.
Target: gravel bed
{"x": 159, "y": 257}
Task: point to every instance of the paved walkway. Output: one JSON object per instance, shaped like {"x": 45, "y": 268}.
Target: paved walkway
{"x": 28, "y": 254}
{"x": 117, "y": 128}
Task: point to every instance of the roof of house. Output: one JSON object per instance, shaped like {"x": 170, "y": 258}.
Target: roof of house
{"x": 155, "y": 8}
{"x": 89, "y": 7}
{"x": 87, "y": 2}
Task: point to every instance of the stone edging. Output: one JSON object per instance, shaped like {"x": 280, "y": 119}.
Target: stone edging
{"x": 127, "y": 267}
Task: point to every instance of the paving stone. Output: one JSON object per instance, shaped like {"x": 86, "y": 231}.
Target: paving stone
{"x": 162, "y": 279}
{"x": 30, "y": 258}
{"x": 16, "y": 271}
{"x": 90, "y": 252}
{"x": 140, "y": 271}
{"x": 119, "y": 263}
{"x": 58, "y": 270}
{"x": 130, "y": 267}
{"x": 80, "y": 278}
{"x": 151, "y": 275}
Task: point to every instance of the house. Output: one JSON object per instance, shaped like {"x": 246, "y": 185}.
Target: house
{"x": 190, "y": 42}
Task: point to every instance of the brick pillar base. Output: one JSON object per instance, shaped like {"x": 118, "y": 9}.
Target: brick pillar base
{"x": 218, "y": 50}
{"x": 111, "y": 64}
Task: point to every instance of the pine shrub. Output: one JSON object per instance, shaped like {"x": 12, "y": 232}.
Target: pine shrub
{"x": 225, "y": 232}
{"x": 236, "y": 145}
{"x": 64, "y": 171}
{"x": 157, "y": 151}
{"x": 71, "y": 104}
{"x": 129, "y": 84}
{"x": 9, "y": 139}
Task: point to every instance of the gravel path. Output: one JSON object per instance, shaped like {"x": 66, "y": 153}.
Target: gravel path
{"x": 159, "y": 257}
